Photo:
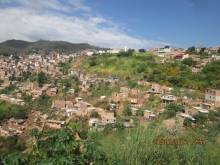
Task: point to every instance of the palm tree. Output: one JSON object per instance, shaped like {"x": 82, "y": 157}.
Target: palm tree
{"x": 93, "y": 152}
{"x": 16, "y": 159}
{"x": 62, "y": 160}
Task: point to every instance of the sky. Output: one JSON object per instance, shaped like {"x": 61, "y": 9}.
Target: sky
{"x": 113, "y": 23}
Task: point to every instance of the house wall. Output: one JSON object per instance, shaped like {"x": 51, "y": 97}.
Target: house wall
{"x": 134, "y": 101}
{"x": 147, "y": 114}
{"x": 193, "y": 111}
{"x": 134, "y": 91}
{"x": 83, "y": 106}
{"x": 124, "y": 90}
{"x": 156, "y": 88}
{"x": 108, "y": 120}
{"x": 212, "y": 96}
{"x": 115, "y": 96}
{"x": 59, "y": 103}
{"x": 2, "y": 73}
{"x": 109, "y": 114}
{"x": 123, "y": 96}
{"x": 54, "y": 125}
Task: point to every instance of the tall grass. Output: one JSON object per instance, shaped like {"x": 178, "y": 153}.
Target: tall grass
{"x": 136, "y": 147}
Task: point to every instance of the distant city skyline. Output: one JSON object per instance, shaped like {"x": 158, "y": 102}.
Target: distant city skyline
{"x": 135, "y": 24}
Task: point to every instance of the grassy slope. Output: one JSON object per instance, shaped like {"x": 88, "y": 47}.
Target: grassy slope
{"x": 122, "y": 67}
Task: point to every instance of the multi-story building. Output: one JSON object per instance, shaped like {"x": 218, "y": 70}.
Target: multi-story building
{"x": 162, "y": 51}
{"x": 212, "y": 96}
{"x": 167, "y": 99}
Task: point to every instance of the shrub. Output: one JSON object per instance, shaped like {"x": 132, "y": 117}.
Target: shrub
{"x": 92, "y": 63}
{"x": 187, "y": 122}
{"x": 200, "y": 118}
{"x": 127, "y": 111}
{"x": 83, "y": 134}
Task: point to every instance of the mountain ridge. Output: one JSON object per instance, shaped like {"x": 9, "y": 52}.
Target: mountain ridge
{"x": 21, "y": 46}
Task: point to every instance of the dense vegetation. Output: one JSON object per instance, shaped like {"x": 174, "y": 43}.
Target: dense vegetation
{"x": 42, "y": 103}
{"x": 141, "y": 145}
{"x": 8, "y": 89}
{"x": 12, "y": 110}
{"x": 121, "y": 64}
{"x": 143, "y": 66}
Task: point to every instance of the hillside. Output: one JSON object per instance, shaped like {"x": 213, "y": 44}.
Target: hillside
{"x": 143, "y": 66}
{"x": 136, "y": 66}
{"x": 19, "y": 46}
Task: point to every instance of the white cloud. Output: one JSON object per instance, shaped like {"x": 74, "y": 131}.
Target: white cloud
{"x": 27, "y": 23}
{"x": 79, "y": 5}
{"x": 5, "y": 1}
{"x": 97, "y": 20}
{"x": 55, "y": 5}
{"x": 31, "y": 4}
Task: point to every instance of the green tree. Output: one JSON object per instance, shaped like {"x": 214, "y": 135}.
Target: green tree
{"x": 172, "y": 109}
{"x": 16, "y": 57}
{"x": 70, "y": 59}
{"x": 200, "y": 118}
{"x": 15, "y": 159}
{"x": 83, "y": 134}
{"x": 140, "y": 112}
{"x": 67, "y": 83}
{"x": 187, "y": 122}
{"x": 189, "y": 61}
{"x": 12, "y": 77}
{"x": 92, "y": 63}
{"x": 94, "y": 153}
{"x": 95, "y": 114}
{"x": 32, "y": 76}
{"x": 8, "y": 89}
{"x": 41, "y": 79}
{"x": 141, "y": 68}
{"x": 202, "y": 50}
{"x": 20, "y": 145}
{"x": 27, "y": 98}
{"x": 108, "y": 129}
{"x": 212, "y": 115}
{"x": 175, "y": 107}
{"x": 6, "y": 54}
{"x": 151, "y": 97}
{"x": 191, "y": 50}
{"x": 127, "y": 111}
{"x": 11, "y": 142}
{"x": 61, "y": 144}
{"x": 142, "y": 50}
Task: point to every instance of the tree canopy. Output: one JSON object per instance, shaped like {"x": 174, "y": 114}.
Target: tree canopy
{"x": 191, "y": 50}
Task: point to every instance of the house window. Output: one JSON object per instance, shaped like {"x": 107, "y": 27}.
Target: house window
{"x": 107, "y": 119}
